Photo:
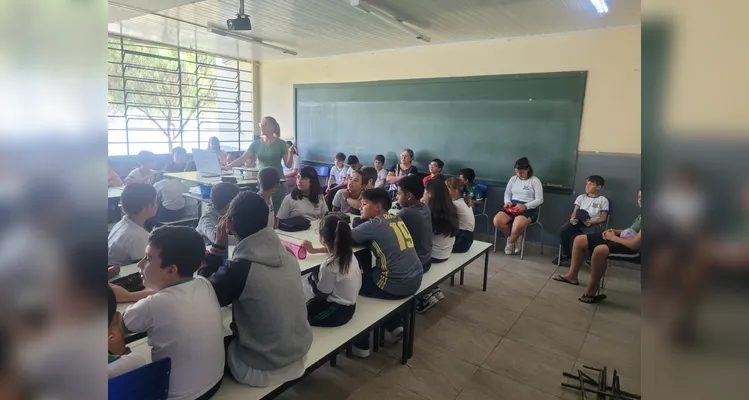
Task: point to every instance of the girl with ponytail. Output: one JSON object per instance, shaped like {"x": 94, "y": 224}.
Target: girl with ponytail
{"x": 466, "y": 219}
{"x": 332, "y": 291}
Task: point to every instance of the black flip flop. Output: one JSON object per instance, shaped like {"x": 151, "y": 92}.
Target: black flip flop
{"x": 588, "y": 299}
{"x": 560, "y": 278}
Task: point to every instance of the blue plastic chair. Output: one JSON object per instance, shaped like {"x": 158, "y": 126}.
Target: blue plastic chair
{"x": 149, "y": 382}
{"x": 322, "y": 171}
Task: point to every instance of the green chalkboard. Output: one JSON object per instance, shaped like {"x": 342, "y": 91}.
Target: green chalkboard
{"x": 482, "y": 122}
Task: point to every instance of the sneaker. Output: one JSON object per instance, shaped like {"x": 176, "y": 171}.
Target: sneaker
{"x": 437, "y": 293}
{"x": 519, "y": 245}
{"x": 361, "y": 353}
{"x": 563, "y": 260}
{"x": 394, "y": 335}
{"x": 509, "y": 248}
{"x": 426, "y": 302}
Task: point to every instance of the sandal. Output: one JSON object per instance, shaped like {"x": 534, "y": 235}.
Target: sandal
{"x": 560, "y": 278}
{"x": 588, "y": 299}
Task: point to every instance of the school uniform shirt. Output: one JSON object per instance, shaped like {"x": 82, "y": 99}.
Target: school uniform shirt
{"x": 126, "y": 242}
{"x": 381, "y": 176}
{"x": 340, "y": 202}
{"x": 170, "y": 192}
{"x": 291, "y": 207}
{"x": 466, "y": 219}
{"x": 475, "y": 192}
{"x": 529, "y": 191}
{"x": 340, "y": 288}
{"x": 443, "y": 246}
{"x": 184, "y": 323}
{"x": 593, "y": 205}
{"x": 296, "y": 164}
{"x": 208, "y": 223}
{"x": 419, "y": 223}
{"x": 118, "y": 365}
{"x": 338, "y": 174}
{"x": 137, "y": 174}
{"x": 398, "y": 269}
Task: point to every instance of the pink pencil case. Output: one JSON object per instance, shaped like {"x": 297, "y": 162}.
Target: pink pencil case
{"x": 298, "y": 251}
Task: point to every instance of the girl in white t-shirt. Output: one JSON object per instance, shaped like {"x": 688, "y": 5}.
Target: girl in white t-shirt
{"x": 466, "y": 219}
{"x": 333, "y": 290}
{"x": 444, "y": 219}
{"x": 523, "y": 195}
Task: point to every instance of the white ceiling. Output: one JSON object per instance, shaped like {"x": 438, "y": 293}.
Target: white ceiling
{"x": 319, "y": 28}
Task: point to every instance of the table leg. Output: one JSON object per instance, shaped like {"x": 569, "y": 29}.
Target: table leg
{"x": 462, "y": 273}
{"x": 486, "y": 269}
{"x": 406, "y": 332}
{"x": 412, "y": 331}
{"x": 452, "y": 280}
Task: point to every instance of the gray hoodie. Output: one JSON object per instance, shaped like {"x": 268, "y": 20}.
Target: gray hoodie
{"x": 262, "y": 282}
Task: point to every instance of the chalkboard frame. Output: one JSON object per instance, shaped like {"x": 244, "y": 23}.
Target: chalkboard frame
{"x": 493, "y": 181}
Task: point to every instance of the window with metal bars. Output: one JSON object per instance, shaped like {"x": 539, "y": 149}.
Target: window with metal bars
{"x": 162, "y": 96}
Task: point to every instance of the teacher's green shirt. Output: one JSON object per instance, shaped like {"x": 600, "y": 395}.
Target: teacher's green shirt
{"x": 269, "y": 155}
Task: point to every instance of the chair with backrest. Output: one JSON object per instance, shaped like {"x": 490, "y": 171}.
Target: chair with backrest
{"x": 149, "y": 382}
{"x": 484, "y": 191}
{"x": 522, "y": 244}
{"x": 607, "y": 223}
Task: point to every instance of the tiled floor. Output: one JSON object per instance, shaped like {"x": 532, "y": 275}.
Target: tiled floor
{"x": 511, "y": 342}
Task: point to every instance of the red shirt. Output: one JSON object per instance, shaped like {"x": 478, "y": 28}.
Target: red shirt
{"x": 426, "y": 178}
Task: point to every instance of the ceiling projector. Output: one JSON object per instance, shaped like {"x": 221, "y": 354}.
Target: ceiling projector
{"x": 241, "y": 23}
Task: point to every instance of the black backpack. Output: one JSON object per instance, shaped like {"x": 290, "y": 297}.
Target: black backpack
{"x": 294, "y": 224}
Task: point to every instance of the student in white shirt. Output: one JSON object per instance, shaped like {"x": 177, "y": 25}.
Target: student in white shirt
{"x": 269, "y": 182}
{"x": 382, "y": 173}
{"x": 306, "y": 199}
{"x": 221, "y": 195}
{"x": 466, "y": 219}
{"x": 332, "y": 291}
{"x": 523, "y": 195}
{"x": 120, "y": 359}
{"x": 147, "y": 162}
{"x": 349, "y": 200}
{"x": 290, "y": 173}
{"x": 183, "y": 318}
{"x": 171, "y": 201}
{"x": 337, "y": 179}
{"x": 128, "y": 238}
{"x": 588, "y": 216}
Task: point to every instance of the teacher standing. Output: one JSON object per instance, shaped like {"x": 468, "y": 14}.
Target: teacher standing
{"x": 270, "y": 152}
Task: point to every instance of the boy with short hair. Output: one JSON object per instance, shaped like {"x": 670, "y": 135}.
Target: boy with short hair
{"x": 417, "y": 217}
{"x": 467, "y": 175}
{"x": 349, "y": 200}
{"x": 269, "y": 181}
{"x": 339, "y": 175}
{"x": 221, "y": 195}
{"x": 382, "y": 173}
{"x": 128, "y": 238}
{"x": 147, "y": 162}
{"x": 435, "y": 167}
{"x": 588, "y": 216}
{"x": 183, "y": 318}
{"x": 398, "y": 271}
{"x": 179, "y": 160}
{"x": 120, "y": 359}
{"x": 353, "y": 166}
{"x": 262, "y": 282}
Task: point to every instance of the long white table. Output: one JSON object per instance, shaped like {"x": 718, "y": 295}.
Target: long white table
{"x": 197, "y": 177}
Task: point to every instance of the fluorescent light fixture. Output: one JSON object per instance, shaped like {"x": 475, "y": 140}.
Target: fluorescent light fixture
{"x": 394, "y": 21}
{"x": 212, "y": 28}
{"x": 600, "y": 6}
